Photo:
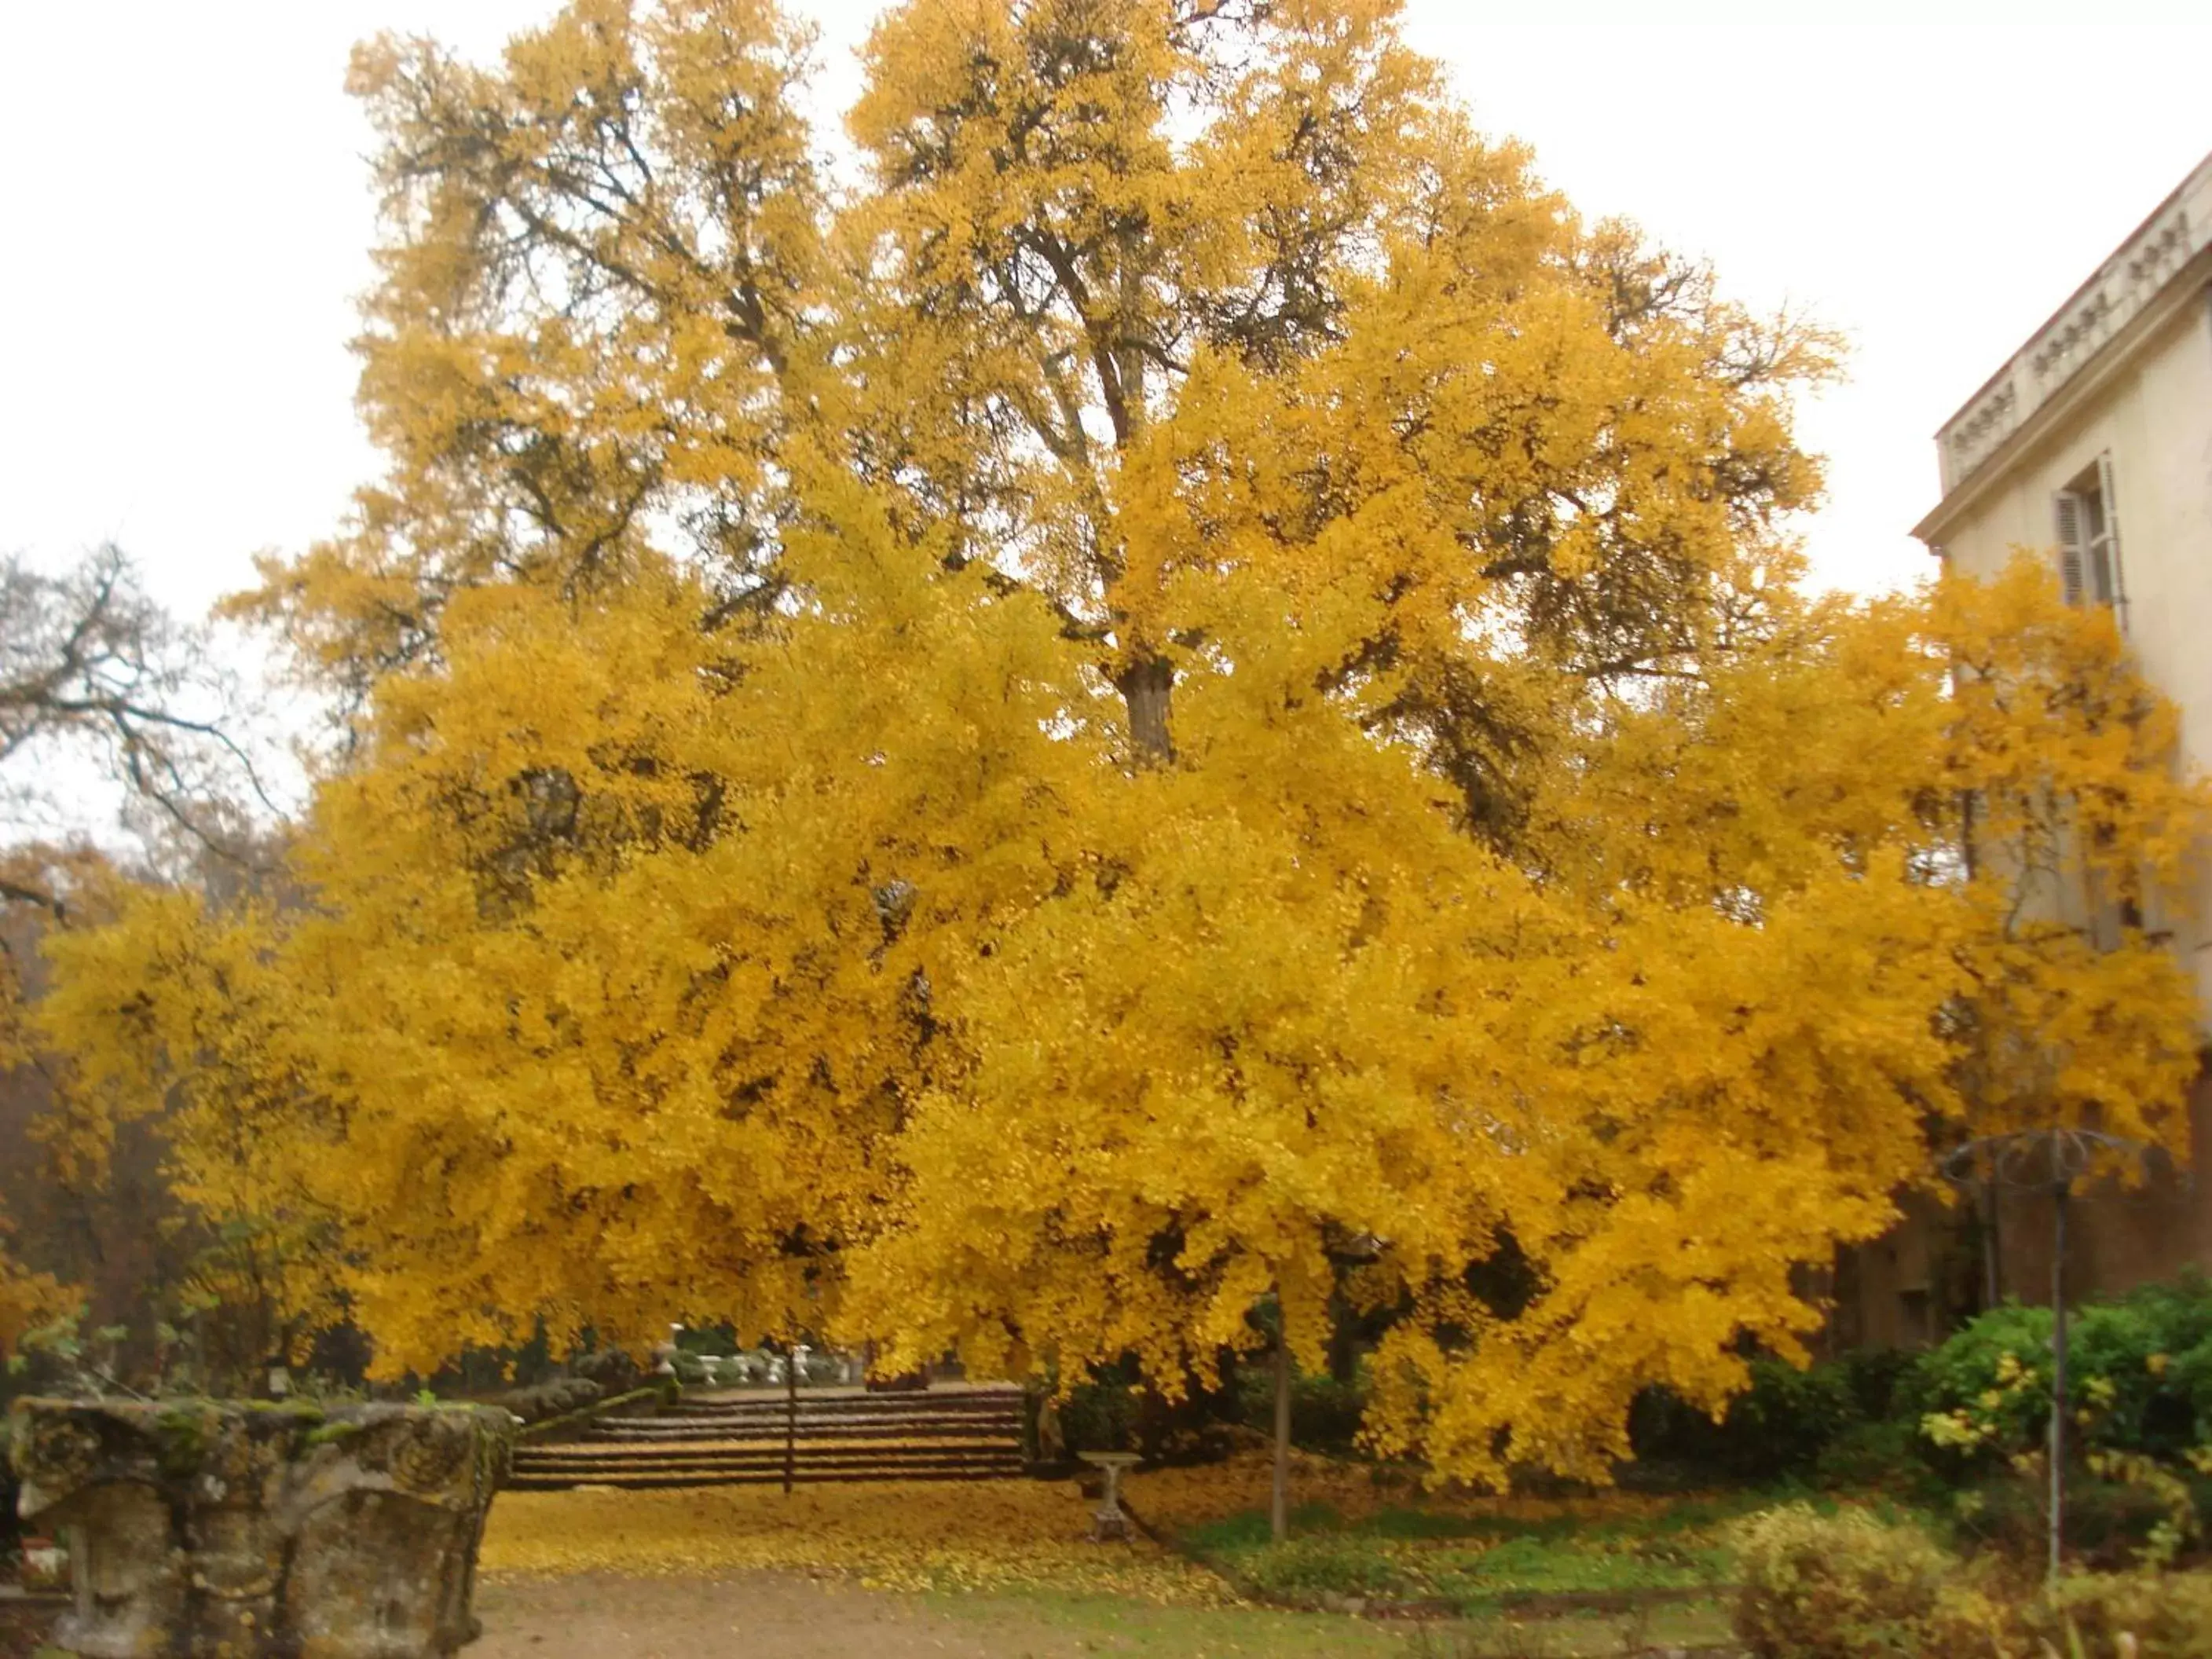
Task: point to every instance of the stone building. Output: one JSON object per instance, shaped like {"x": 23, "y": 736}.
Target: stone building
{"x": 2093, "y": 445}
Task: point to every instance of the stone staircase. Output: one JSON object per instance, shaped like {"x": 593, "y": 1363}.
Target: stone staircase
{"x": 953, "y": 1431}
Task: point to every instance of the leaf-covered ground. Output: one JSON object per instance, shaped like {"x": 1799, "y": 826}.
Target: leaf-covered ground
{"x": 1359, "y": 1532}
{"x": 1006, "y": 1568}
{"x": 947, "y": 1535}
{"x": 793, "y": 1617}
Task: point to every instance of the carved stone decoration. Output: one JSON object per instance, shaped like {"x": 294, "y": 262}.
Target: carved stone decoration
{"x": 261, "y": 1530}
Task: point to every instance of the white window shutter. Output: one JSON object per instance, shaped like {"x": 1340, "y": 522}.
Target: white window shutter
{"x": 2070, "y": 532}
{"x": 2112, "y": 503}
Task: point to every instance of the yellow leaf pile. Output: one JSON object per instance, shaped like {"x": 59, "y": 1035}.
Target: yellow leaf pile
{"x": 916, "y": 1536}
{"x": 984, "y": 1534}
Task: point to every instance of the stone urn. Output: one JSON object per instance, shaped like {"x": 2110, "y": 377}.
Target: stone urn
{"x": 250, "y": 1530}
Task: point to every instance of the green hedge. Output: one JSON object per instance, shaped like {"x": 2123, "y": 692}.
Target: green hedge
{"x": 1832, "y": 1422}
{"x": 1325, "y": 1414}
{"x": 2152, "y": 1347}
{"x": 1858, "y": 1420}
{"x": 1110, "y": 1412}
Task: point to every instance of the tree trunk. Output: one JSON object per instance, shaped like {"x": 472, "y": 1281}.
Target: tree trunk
{"x": 1148, "y": 686}
{"x": 2059, "y": 1401}
{"x": 1992, "y": 1254}
{"x": 1279, "y": 1498}
{"x": 1343, "y": 1339}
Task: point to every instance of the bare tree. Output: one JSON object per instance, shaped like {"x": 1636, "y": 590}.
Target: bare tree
{"x": 91, "y": 667}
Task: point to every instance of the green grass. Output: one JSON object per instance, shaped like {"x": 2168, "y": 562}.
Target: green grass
{"x": 1475, "y": 1562}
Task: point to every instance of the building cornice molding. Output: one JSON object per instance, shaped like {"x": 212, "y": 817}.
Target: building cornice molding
{"x": 2083, "y": 380}
{"x": 2128, "y": 298}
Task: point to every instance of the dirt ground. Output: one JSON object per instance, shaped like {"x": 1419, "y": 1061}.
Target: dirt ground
{"x": 591, "y": 1615}
{"x": 787, "y": 1615}
{"x": 795, "y": 1615}
{"x": 784, "y": 1613}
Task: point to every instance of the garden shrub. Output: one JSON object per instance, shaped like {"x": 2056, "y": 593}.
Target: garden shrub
{"x": 1886, "y": 1456}
{"x": 1099, "y": 1414}
{"x": 478, "y": 1371}
{"x": 1850, "y": 1586}
{"x": 1878, "y": 1378}
{"x": 1780, "y": 1426}
{"x": 2110, "y": 1524}
{"x": 556, "y": 1398}
{"x": 2105, "y": 1615}
{"x": 1111, "y": 1410}
{"x": 612, "y": 1369}
{"x": 1787, "y": 1417}
{"x": 1325, "y": 1414}
{"x": 2141, "y": 1363}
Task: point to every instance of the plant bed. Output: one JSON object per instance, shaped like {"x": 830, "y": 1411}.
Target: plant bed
{"x": 24, "y": 1623}
{"x": 207, "y": 1527}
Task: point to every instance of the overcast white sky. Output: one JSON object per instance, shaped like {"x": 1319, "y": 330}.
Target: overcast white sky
{"x": 186, "y": 222}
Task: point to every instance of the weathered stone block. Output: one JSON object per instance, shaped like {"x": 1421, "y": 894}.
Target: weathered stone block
{"x": 256, "y": 1531}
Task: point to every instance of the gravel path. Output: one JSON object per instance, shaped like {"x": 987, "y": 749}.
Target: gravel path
{"x": 606, "y": 1616}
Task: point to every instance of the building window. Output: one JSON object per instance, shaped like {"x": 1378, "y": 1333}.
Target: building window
{"x": 2089, "y": 541}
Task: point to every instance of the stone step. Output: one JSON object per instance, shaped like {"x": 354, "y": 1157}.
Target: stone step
{"x": 630, "y": 1481}
{"x": 952, "y": 1393}
{"x": 853, "y": 1408}
{"x": 808, "y": 1468}
{"x": 853, "y": 1419}
{"x": 605, "y": 1455}
{"x": 949, "y": 1435}
{"x": 995, "y": 1413}
{"x": 806, "y": 1428}
{"x": 813, "y": 1465}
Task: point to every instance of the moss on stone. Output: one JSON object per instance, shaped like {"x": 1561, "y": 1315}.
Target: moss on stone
{"x": 181, "y": 1432}
{"x": 240, "y": 1482}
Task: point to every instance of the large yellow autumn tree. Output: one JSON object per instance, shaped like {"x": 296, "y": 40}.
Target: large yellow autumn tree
{"x": 1193, "y": 695}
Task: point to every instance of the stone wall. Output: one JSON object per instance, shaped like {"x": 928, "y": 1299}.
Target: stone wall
{"x": 201, "y": 1528}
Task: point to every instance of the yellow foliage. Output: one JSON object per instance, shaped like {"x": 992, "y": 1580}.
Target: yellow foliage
{"x": 1197, "y": 695}
{"x": 27, "y": 1299}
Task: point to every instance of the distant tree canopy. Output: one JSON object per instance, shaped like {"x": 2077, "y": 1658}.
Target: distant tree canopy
{"x": 89, "y": 663}
{"x": 106, "y": 702}
{"x": 1197, "y": 693}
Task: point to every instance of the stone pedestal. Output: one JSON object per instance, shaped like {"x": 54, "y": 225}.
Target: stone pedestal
{"x": 202, "y": 1527}
{"x": 1109, "y": 1523}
